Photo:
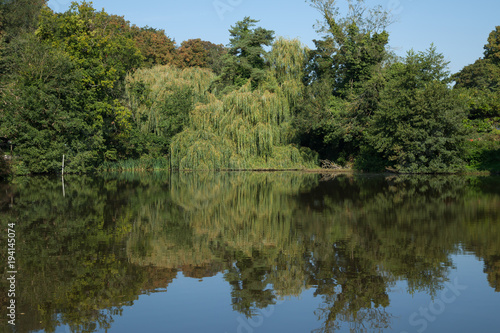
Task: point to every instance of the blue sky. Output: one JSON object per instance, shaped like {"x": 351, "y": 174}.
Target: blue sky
{"x": 458, "y": 28}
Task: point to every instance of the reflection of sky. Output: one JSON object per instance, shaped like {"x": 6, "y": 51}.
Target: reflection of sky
{"x": 191, "y": 305}
{"x": 471, "y": 311}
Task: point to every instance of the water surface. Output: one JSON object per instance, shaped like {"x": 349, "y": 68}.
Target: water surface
{"x": 255, "y": 252}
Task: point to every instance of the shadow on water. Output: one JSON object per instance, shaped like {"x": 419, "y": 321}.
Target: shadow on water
{"x": 88, "y": 252}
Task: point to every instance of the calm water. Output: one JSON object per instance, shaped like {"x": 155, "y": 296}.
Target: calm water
{"x": 254, "y": 252}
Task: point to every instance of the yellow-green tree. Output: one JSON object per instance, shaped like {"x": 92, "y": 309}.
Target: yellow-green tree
{"x": 160, "y": 99}
{"x": 248, "y": 128}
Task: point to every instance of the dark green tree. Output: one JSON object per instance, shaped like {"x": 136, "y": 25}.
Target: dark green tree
{"x": 343, "y": 78}
{"x": 418, "y": 124}
{"x": 103, "y": 55}
{"x": 479, "y": 84}
{"x": 42, "y": 103}
{"x": 481, "y": 81}
{"x": 216, "y": 53}
{"x": 17, "y": 16}
{"x": 246, "y": 57}
{"x": 483, "y": 74}
{"x": 62, "y": 90}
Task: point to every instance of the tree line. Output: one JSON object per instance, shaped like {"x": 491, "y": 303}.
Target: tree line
{"x": 107, "y": 94}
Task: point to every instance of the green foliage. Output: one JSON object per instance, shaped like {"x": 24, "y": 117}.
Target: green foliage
{"x": 42, "y": 105}
{"x": 492, "y": 49}
{"x": 161, "y": 99}
{"x": 314, "y": 119}
{"x": 480, "y": 81}
{"x": 85, "y": 34}
{"x": 246, "y": 58}
{"x": 482, "y": 74}
{"x": 351, "y": 117}
{"x": 483, "y": 155}
{"x": 418, "y": 124}
{"x": 482, "y": 104}
{"x": 19, "y": 16}
{"x": 479, "y": 126}
{"x": 5, "y": 167}
{"x": 215, "y": 59}
{"x": 370, "y": 160}
{"x": 64, "y": 86}
{"x": 351, "y": 45}
{"x": 247, "y": 128}
{"x": 479, "y": 87}
{"x": 92, "y": 87}
{"x": 145, "y": 163}
{"x": 344, "y": 78}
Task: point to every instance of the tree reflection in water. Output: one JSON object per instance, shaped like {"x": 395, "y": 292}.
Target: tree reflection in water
{"x": 88, "y": 254}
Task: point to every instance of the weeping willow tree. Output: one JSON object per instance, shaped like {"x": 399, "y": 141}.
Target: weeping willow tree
{"x": 249, "y": 128}
{"x": 162, "y": 97}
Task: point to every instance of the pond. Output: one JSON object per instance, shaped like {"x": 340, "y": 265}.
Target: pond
{"x": 252, "y": 252}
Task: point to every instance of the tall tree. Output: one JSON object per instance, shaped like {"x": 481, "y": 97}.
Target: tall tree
{"x": 344, "y": 77}
{"x": 351, "y": 45}
{"x": 248, "y": 128}
{"x": 484, "y": 74}
{"x": 246, "y": 57}
{"x": 64, "y": 88}
{"x": 479, "y": 84}
{"x": 41, "y": 105}
{"x": 16, "y": 18}
{"x": 216, "y": 53}
{"x": 161, "y": 99}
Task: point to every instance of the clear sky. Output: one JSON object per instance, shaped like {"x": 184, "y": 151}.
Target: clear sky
{"x": 458, "y": 28}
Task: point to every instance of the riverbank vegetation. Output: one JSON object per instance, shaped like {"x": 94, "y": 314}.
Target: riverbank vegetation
{"x": 107, "y": 94}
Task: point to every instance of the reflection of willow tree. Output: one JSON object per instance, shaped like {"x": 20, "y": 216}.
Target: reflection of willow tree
{"x": 68, "y": 253}
{"x": 241, "y": 218}
{"x": 251, "y": 217}
{"x": 272, "y": 234}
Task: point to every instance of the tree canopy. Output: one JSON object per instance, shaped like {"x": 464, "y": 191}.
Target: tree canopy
{"x": 246, "y": 58}
{"x": 105, "y": 93}
{"x": 417, "y": 125}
